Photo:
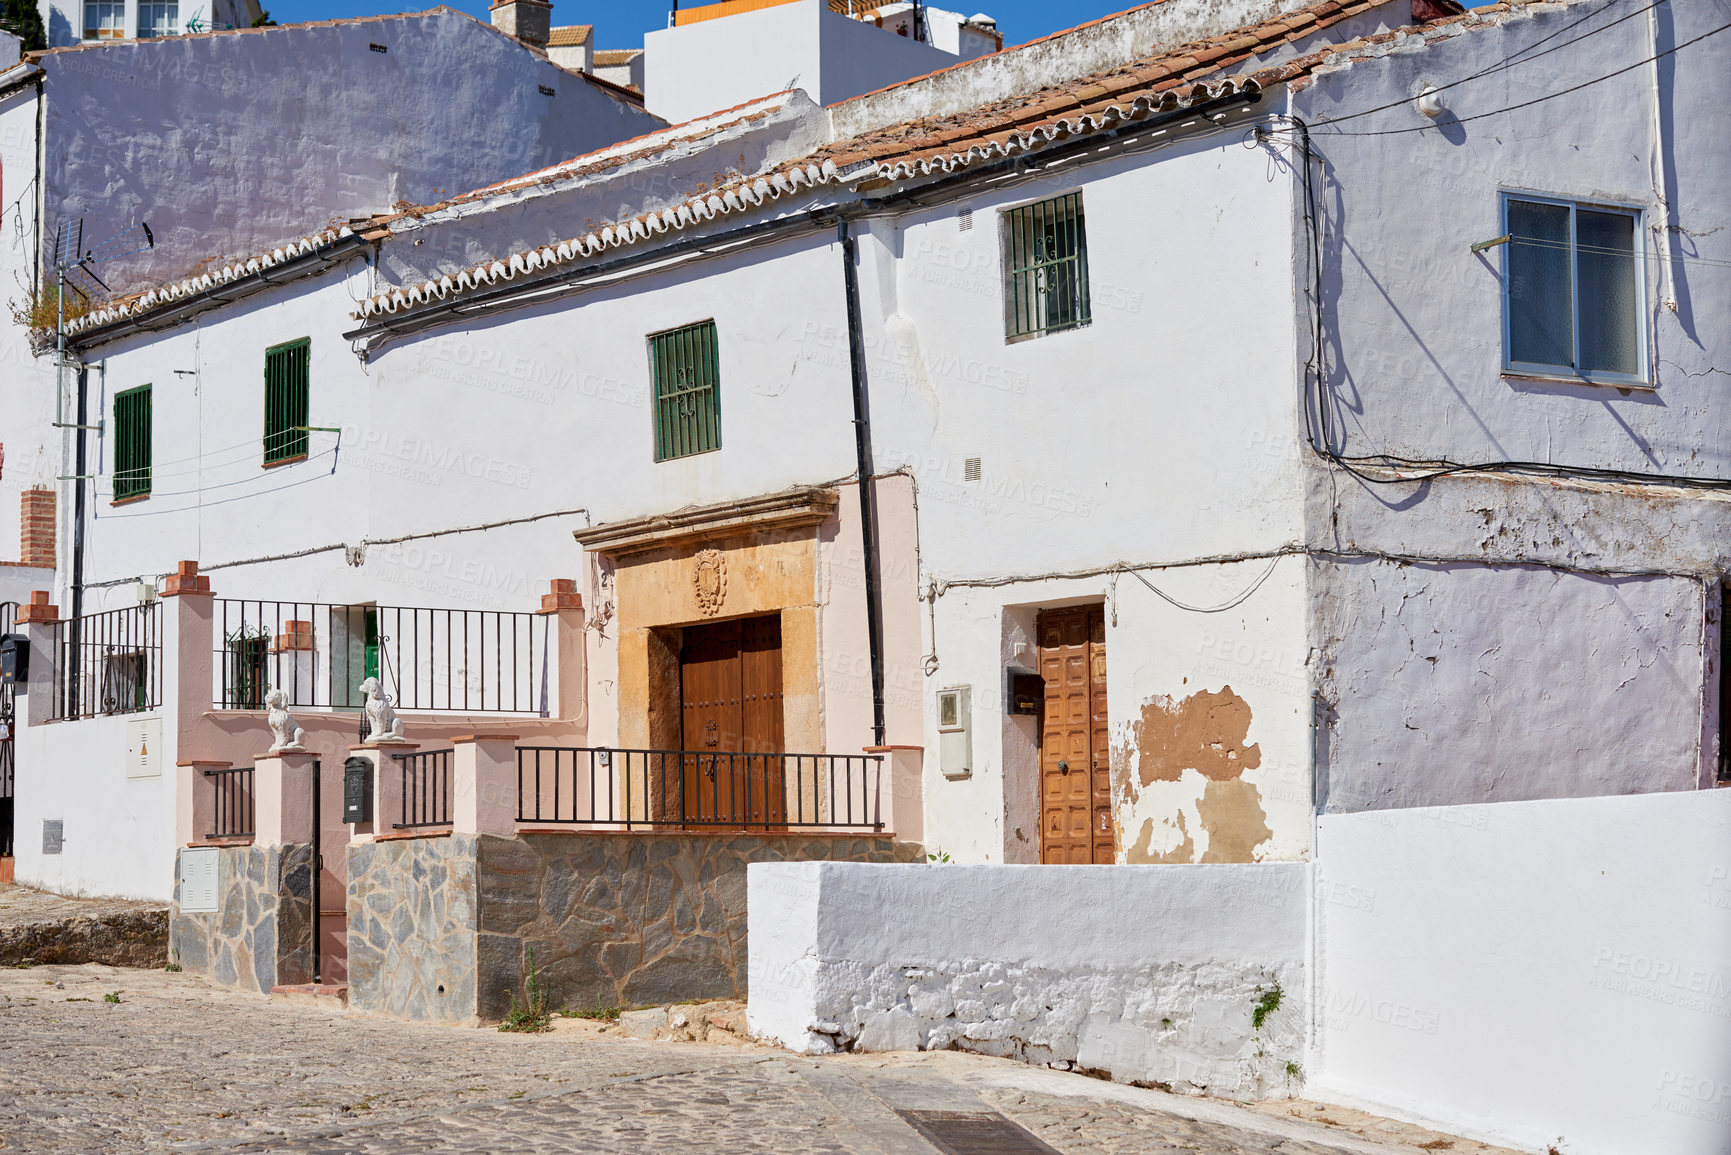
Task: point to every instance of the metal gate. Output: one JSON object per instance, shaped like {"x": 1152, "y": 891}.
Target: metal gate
{"x": 8, "y": 777}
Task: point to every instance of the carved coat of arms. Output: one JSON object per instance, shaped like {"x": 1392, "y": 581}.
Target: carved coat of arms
{"x": 709, "y": 579}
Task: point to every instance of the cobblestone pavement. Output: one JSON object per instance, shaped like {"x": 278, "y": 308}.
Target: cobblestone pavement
{"x": 177, "y": 1064}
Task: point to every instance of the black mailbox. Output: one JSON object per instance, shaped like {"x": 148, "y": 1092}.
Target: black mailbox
{"x": 1027, "y": 692}
{"x": 14, "y": 660}
{"x": 357, "y": 790}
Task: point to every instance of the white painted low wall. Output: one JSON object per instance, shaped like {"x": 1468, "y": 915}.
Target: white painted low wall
{"x": 1148, "y": 973}
{"x": 1530, "y": 970}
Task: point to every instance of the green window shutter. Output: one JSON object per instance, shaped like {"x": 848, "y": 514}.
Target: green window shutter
{"x": 286, "y": 381}
{"x": 132, "y": 443}
{"x": 687, "y": 391}
{"x": 1047, "y": 285}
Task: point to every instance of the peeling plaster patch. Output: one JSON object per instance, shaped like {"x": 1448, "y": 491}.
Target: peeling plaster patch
{"x": 1236, "y": 823}
{"x": 1205, "y": 732}
{"x": 1184, "y": 852}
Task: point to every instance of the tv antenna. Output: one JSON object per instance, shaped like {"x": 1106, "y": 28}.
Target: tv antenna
{"x": 75, "y": 268}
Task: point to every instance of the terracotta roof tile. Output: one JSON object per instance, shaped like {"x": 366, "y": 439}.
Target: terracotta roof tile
{"x": 570, "y": 36}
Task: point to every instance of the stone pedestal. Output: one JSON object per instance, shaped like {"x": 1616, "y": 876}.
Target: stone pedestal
{"x": 283, "y": 797}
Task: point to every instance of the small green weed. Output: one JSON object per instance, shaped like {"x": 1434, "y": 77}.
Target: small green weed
{"x": 597, "y": 1012}
{"x": 80, "y": 1000}
{"x": 938, "y": 858}
{"x": 1265, "y": 1006}
{"x": 516, "y": 1094}
{"x": 111, "y": 997}
{"x": 1293, "y": 1071}
{"x": 533, "y": 1016}
{"x": 173, "y": 968}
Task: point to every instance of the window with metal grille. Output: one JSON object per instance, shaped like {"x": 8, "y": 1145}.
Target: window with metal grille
{"x": 285, "y": 401}
{"x": 1047, "y": 262}
{"x": 132, "y": 443}
{"x": 687, "y": 391}
{"x": 1572, "y": 290}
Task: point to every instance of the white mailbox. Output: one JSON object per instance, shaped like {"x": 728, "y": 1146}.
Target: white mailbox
{"x": 956, "y": 731}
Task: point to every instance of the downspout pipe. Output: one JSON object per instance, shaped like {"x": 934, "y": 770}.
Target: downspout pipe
{"x": 73, "y": 705}
{"x": 868, "y": 516}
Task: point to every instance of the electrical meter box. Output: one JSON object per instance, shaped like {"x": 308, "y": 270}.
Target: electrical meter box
{"x": 956, "y": 732}
{"x": 357, "y": 790}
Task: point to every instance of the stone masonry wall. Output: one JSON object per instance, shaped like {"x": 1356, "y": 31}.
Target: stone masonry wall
{"x": 630, "y": 919}
{"x": 411, "y": 907}
{"x": 440, "y": 928}
{"x": 261, "y": 933}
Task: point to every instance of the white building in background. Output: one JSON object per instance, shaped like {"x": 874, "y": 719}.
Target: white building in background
{"x": 1291, "y": 453}
{"x": 73, "y": 21}
{"x": 724, "y": 54}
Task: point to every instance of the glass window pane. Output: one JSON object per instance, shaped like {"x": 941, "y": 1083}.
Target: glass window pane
{"x": 1610, "y": 311}
{"x": 1541, "y": 305}
{"x": 159, "y": 18}
{"x": 104, "y": 20}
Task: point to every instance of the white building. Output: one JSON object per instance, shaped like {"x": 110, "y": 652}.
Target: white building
{"x": 724, "y": 54}
{"x": 1290, "y": 449}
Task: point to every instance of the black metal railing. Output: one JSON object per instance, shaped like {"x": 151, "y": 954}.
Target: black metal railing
{"x": 697, "y": 789}
{"x": 426, "y": 660}
{"x": 426, "y": 788}
{"x": 233, "y": 815}
{"x": 108, "y": 663}
{"x": 8, "y": 784}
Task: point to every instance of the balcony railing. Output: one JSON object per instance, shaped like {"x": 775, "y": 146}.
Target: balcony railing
{"x": 697, "y": 789}
{"x": 426, "y": 780}
{"x": 426, "y": 660}
{"x": 108, "y": 663}
{"x": 233, "y": 815}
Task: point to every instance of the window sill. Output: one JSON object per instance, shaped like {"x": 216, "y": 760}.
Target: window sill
{"x": 1571, "y": 379}
{"x": 296, "y": 459}
{"x": 1018, "y": 338}
{"x": 133, "y": 500}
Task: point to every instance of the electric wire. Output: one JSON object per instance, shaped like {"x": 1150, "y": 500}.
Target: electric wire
{"x": 1322, "y": 438}
{"x": 1548, "y": 96}
{"x": 1507, "y": 62}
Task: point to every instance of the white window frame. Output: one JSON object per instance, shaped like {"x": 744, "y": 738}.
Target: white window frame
{"x": 1639, "y": 256}
{"x": 175, "y": 27}
{"x": 84, "y": 15}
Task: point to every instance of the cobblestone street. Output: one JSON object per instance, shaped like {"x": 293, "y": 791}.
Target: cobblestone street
{"x": 178, "y": 1064}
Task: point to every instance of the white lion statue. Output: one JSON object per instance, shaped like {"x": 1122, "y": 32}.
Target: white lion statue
{"x": 383, "y": 725}
{"x": 287, "y": 735}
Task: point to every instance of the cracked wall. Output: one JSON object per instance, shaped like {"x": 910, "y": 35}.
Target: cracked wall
{"x": 1449, "y": 684}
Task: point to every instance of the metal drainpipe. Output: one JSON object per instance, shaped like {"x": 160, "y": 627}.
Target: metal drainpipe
{"x": 73, "y": 659}
{"x": 868, "y": 515}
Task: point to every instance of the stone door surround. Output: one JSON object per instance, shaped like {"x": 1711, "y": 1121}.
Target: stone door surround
{"x": 703, "y": 563}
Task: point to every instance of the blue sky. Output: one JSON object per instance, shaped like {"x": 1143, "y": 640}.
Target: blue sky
{"x": 622, "y": 23}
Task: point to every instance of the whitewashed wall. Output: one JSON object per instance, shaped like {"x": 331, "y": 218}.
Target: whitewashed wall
{"x": 1129, "y": 971}
{"x": 1475, "y": 679}
{"x": 332, "y": 129}
{"x": 1535, "y": 973}
{"x": 1142, "y": 438}
{"x": 1417, "y": 362}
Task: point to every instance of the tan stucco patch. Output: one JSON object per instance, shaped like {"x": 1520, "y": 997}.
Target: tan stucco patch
{"x": 1205, "y": 732}
{"x": 1139, "y": 853}
{"x": 1236, "y": 823}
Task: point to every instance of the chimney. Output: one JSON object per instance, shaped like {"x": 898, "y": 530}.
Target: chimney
{"x": 36, "y": 533}
{"x": 530, "y": 21}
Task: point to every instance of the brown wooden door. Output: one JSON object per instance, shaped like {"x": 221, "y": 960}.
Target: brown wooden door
{"x": 1075, "y": 777}
{"x": 730, "y": 690}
